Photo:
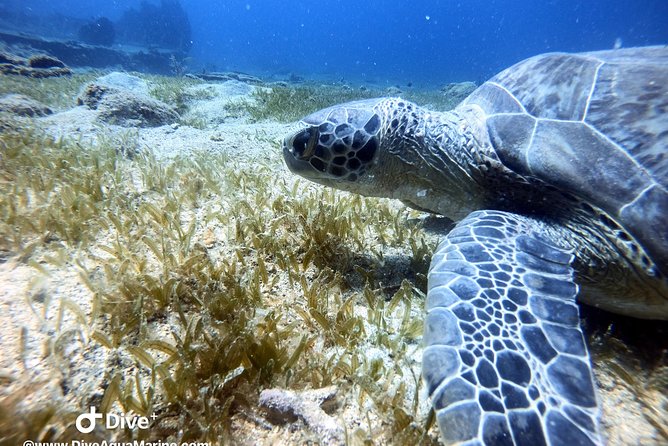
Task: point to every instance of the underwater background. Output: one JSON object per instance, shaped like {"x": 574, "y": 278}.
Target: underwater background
{"x": 421, "y": 42}
{"x": 158, "y": 258}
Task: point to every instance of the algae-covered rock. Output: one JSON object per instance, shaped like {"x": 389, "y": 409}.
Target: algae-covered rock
{"x": 124, "y": 81}
{"x": 121, "y": 99}
{"x": 20, "y": 105}
{"x": 45, "y": 61}
{"x": 37, "y": 66}
{"x": 458, "y": 91}
{"x": 285, "y": 406}
{"x": 9, "y": 58}
{"x": 227, "y": 76}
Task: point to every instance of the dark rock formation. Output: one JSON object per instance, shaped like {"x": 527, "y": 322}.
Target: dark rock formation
{"x": 20, "y": 105}
{"x": 227, "y": 76}
{"x": 98, "y": 32}
{"x": 38, "y": 66}
{"x": 45, "y": 61}
{"x": 11, "y": 59}
{"x": 458, "y": 91}
{"x": 310, "y": 406}
{"x": 125, "y": 107}
{"x": 76, "y": 54}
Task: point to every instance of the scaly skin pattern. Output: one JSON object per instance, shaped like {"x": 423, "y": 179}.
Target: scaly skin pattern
{"x": 553, "y": 205}
{"x": 505, "y": 361}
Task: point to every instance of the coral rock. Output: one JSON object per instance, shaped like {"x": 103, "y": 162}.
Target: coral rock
{"x": 125, "y": 107}
{"x": 458, "y": 91}
{"x": 45, "y": 61}
{"x": 37, "y": 66}
{"x": 11, "y": 59}
{"x": 20, "y": 105}
{"x": 227, "y": 76}
{"x": 285, "y": 406}
{"x": 124, "y": 81}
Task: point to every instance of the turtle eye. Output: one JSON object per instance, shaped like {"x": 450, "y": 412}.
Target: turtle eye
{"x": 304, "y": 143}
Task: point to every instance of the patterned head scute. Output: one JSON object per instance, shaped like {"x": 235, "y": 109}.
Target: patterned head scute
{"x": 338, "y": 142}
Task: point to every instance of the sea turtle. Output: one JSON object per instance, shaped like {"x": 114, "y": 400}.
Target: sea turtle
{"x": 557, "y": 171}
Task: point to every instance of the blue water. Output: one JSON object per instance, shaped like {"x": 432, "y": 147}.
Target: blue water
{"x": 424, "y": 42}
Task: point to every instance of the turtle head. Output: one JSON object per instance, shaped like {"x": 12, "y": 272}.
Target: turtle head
{"x": 347, "y": 146}
{"x": 374, "y": 147}
{"x": 336, "y": 145}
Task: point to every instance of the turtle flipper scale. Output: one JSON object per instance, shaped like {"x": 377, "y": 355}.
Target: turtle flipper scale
{"x": 505, "y": 361}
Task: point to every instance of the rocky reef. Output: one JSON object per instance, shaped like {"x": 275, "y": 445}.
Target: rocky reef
{"x": 20, "y": 105}
{"x": 154, "y": 38}
{"x": 458, "y": 91}
{"x": 123, "y": 100}
{"x": 227, "y": 76}
{"x": 37, "y": 65}
{"x": 75, "y": 54}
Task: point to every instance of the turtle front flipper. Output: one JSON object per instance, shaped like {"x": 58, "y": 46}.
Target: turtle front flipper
{"x": 505, "y": 361}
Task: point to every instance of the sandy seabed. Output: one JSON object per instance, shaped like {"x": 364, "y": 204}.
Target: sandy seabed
{"x": 47, "y": 356}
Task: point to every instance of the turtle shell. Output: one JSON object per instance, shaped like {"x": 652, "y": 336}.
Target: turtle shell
{"x": 594, "y": 125}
